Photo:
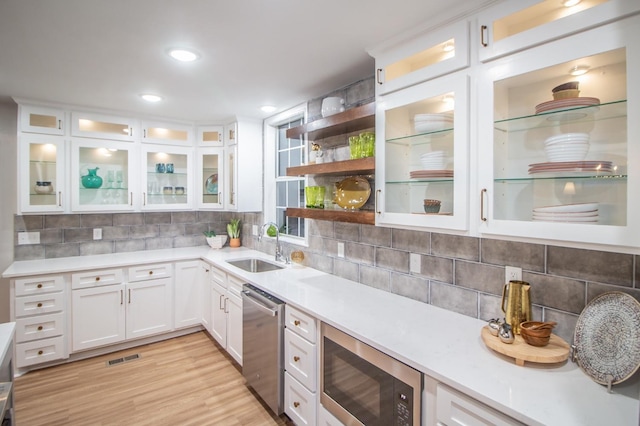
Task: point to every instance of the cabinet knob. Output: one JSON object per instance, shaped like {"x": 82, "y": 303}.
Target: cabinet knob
{"x": 296, "y": 322}
{"x": 296, "y": 404}
{"x": 39, "y": 328}
{"x": 296, "y": 358}
{"x": 39, "y": 305}
{"x": 150, "y": 272}
{"x": 39, "y": 286}
{"x": 40, "y": 352}
{"x": 97, "y": 278}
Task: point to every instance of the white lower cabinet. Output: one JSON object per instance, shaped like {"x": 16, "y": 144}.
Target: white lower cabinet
{"x": 204, "y": 280}
{"x": 106, "y": 314}
{"x": 325, "y": 418}
{"x": 187, "y": 298}
{"x": 226, "y": 312}
{"x": 301, "y": 367}
{"x": 39, "y": 311}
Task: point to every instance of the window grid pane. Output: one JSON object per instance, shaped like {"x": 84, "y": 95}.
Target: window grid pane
{"x": 289, "y": 189}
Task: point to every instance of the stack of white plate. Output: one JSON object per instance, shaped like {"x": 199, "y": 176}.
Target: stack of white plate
{"x": 425, "y": 123}
{"x": 577, "y": 213}
{"x": 567, "y": 147}
{"x": 435, "y": 160}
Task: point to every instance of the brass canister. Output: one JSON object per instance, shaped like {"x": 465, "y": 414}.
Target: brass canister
{"x": 518, "y": 304}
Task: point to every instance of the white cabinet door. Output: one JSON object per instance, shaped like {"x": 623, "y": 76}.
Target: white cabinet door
{"x": 42, "y": 184}
{"x": 187, "y": 298}
{"x": 210, "y": 181}
{"x": 593, "y": 198}
{"x": 515, "y": 25}
{"x": 167, "y": 178}
{"x": 204, "y": 281}
{"x": 210, "y": 136}
{"x": 234, "y": 327}
{"x": 243, "y": 167}
{"x": 97, "y": 316}
{"x": 299, "y": 403}
{"x": 149, "y": 307}
{"x": 219, "y": 314}
{"x": 422, "y": 153}
{"x": 102, "y": 126}
{"x": 103, "y": 176}
{"x": 167, "y": 133}
{"x": 38, "y": 119}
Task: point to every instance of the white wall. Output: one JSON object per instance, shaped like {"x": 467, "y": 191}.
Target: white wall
{"x": 8, "y": 195}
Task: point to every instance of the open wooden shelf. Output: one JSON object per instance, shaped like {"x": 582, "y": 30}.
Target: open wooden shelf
{"x": 352, "y": 216}
{"x": 356, "y": 167}
{"x": 351, "y": 120}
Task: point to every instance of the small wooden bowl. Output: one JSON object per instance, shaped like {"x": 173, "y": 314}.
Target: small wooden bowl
{"x": 536, "y": 337}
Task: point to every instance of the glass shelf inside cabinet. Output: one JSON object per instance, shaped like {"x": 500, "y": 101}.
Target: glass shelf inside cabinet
{"x": 42, "y": 174}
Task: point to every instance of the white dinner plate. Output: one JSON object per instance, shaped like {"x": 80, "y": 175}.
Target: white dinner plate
{"x": 578, "y": 207}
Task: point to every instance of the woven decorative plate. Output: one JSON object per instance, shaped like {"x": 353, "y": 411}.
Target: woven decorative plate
{"x": 607, "y": 338}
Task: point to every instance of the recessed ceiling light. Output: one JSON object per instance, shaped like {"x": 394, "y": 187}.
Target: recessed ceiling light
{"x": 183, "y": 55}
{"x": 570, "y": 3}
{"x": 579, "y": 70}
{"x": 268, "y": 108}
{"x": 151, "y": 98}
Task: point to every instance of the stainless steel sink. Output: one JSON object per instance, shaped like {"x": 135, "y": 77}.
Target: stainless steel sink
{"x": 254, "y": 265}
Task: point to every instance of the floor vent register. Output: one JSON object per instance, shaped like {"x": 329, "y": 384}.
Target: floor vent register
{"x": 122, "y": 360}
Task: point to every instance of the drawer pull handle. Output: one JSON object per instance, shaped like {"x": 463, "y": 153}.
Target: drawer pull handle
{"x": 296, "y": 404}
{"x": 97, "y": 278}
{"x": 39, "y": 328}
{"x": 150, "y": 272}
{"x": 296, "y": 358}
{"x": 39, "y": 286}
{"x": 39, "y": 305}
{"x": 40, "y": 352}
{"x": 296, "y": 323}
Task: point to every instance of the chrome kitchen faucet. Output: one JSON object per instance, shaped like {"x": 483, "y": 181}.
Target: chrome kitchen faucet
{"x": 280, "y": 257}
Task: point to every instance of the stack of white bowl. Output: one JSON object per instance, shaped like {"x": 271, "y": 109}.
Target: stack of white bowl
{"x": 425, "y": 123}
{"x": 435, "y": 160}
{"x": 567, "y": 147}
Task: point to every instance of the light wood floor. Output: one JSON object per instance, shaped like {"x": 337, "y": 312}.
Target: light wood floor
{"x": 188, "y": 380}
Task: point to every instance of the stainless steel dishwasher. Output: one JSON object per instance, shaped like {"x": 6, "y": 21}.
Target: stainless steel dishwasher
{"x": 262, "y": 343}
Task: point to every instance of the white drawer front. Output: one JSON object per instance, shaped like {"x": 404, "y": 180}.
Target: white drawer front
{"x": 300, "y": 359}
{"x": 219, "y": 276}
{"x": 96, "y": 278}
{"x": 299, "y": 403}
{"x": 39, "y": 304}
{"x": 235, "y": 285}
{"x": 39, "y": 327}
{"x": 148, "y": 272}
{"x": 40, "y": 351}
{"x": 39, "y": 285}
{"x": 457, "y": 409}
{"x": 300, "y": 323}
{"x": 325, "y": 418}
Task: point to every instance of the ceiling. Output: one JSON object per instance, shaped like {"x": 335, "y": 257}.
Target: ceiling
{"x": 104, "y": 54}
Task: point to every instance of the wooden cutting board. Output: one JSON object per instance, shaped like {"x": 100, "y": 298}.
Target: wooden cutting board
{"x": 556, "y": 351}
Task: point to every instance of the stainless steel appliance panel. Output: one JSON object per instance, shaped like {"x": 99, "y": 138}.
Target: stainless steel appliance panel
{"x": 262, "y": 342}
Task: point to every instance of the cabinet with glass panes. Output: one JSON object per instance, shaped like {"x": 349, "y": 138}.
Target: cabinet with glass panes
{"x": 166, "y": 177}
{"x": 210, "y": 182}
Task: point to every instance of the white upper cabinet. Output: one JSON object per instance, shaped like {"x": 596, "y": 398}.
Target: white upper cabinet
{"x": 563, "y": 169}
{"x": 211, "y": 136}
{"x": 422, "y": 153}
{"x": 422, "y": 58}
{"x": 167, "y": 133}
{"x": 243, "y": 167}
{"x": 101, "y": 126}
{"x": 42, "y": 184}
{"x": 209, "y": 185}
{"x": 37, "y": 119}
{"x": 515, "y": 25}
{"x": 102, "y": 175}
{"x": 167, "y": 177}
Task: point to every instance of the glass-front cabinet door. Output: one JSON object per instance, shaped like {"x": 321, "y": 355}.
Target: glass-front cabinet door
{"x": 422, "y": 159}
{"x": 518, "y": 24}
{"x": 37, "y": 119}
{"x": 209, "y": 186}
{"x": 231, "y": 177}
{"x": 558, "y": 154}
{"x": 102, "y": 176}
{"x": 169, "y": 133}
{"x": 166, "y": 178}
{"x": 102, "y": 126}
{"x": 42, "y": 184}
{"x": 210, "y": 136}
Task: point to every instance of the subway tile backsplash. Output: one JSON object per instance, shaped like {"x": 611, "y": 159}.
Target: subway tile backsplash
{"x": 458, "y": 273}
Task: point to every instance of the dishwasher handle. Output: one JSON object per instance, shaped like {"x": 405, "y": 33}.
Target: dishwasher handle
{"x": 247, "y": 296}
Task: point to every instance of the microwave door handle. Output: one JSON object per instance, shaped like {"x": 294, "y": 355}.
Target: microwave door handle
{"x": 246, "y": 296}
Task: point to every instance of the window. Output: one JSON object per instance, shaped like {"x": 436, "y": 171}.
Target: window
{"x": 282, "y": 191}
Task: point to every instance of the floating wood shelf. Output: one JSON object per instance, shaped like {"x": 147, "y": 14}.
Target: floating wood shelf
{"x": 359, "y": 166}
{"x": 351, "y": 120}
{"x": 352, "y": 216}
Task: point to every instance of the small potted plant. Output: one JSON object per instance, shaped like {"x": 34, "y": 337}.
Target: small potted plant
{"x": 233, "y": 229}
{"x": 215, "y": 241}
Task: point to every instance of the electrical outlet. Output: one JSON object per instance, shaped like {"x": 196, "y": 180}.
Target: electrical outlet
{"x": 254, "y": 230}
{"x": 28, "y": 238}
{"x": 340, "y": 249}
{"x": 512, "y": 273}
{"x": 97, "y": 233}
{"x": 414, "y": 263}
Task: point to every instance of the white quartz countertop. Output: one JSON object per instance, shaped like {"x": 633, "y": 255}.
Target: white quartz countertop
{"x": 443, "y": 344}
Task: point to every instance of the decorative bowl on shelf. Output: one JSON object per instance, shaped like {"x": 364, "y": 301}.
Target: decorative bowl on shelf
{"x": 352, "y": 192}
{"x": 432, "y": 206}
{"x": 217, "y": 242}
{"x": 536, "y": 333}
{"x": 43, "y": 187}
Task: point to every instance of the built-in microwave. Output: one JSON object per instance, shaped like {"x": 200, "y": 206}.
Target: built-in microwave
{"x": 362, "y": 386}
